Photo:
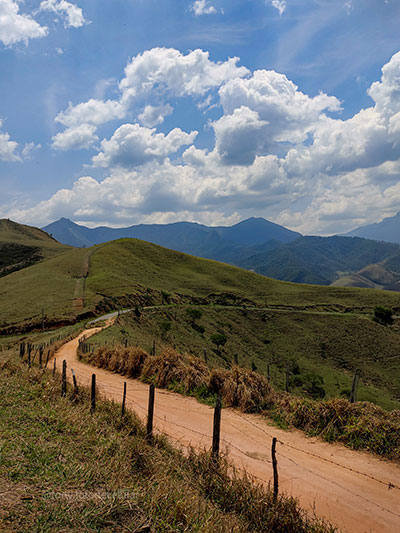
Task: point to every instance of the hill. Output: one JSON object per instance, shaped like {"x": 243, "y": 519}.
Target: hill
{"x": 129, "y": 272}
{"x": 219, "y": 243}
{"x": 22, "y": 246}
{"x": 319, "y": 260}
{"x": 387, "y": 230}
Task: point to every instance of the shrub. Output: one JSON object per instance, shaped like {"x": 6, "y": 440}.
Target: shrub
{"x": 383, "y": 315}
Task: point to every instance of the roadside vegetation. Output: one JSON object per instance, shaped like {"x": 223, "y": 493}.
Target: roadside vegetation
{"x": 64, "y": 469}
{"x": 359, "y": 425}
{"x": 320, "y": 351}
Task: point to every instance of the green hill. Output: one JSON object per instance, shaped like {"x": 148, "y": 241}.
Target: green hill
{"x": 129, "y": 271}
{"x": 22, "y": 246}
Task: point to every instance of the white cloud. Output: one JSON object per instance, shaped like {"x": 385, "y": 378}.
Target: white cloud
{"x": 239, "y": 137}
{"x": 280, "y": 5}
{"x": 133, "y": 145}
{"x": 154, "y": 115}
{"x": 75, "y": 138}
{"x": 176, "y": 74}
{"x": 16, "y": 27}
{"x": 94, "y": 112}
{"x": 202, "y": 7}
{"x": 72, "y": 14}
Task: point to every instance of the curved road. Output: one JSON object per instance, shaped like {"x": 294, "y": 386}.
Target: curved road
{"x": 355, "y": 491}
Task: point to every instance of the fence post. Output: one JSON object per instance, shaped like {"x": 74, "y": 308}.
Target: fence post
{"x": 64, "y": 379}
{"x": 54, "y": 367}
{"x": 40, "y": 355}
{"x": 268, "y": 374}
{"x": 287, "y": 378}
{"x": 47, "y": 358}
{"x": 205, "y": 355}
{"x": 216, "y": 429}
{"x": 74, "y": 380}
{"x": 123, "y": 400}
{"x": 275, "y": 468}
{"x": 354, "y": 388}
{"x": 150, "y": 414}
{"x": 93, "y": 394}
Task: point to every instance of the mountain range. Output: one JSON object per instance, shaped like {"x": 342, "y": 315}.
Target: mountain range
{"x": 264, "y": 247}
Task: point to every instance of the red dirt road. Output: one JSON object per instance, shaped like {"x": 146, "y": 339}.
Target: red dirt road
{"x": 355, "y": 491}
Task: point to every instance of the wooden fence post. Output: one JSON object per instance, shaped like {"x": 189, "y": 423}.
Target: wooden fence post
{"x": 287, "y": 378}
{"x": 40, "y": 355}
{"x": 74, "y": 380}
{"x": 64, "y": 379}
{"x": 123, "y": 400}
{"x": 216, "y": 429}
{"x": 275, "y": 468}
{"x": 47, "y": 358}
{"x": 150, "y": 414}
{"x": 354, "y": 388}
{"x": 93, "y": 394}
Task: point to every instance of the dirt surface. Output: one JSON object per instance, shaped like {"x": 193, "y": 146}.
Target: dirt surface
{"x": 355, "y": 491}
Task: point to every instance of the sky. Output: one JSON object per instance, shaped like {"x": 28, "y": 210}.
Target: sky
{"x": 123, "y": 112}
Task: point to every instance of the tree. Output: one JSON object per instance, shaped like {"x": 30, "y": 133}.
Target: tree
{"x": 383, "y": 316}
{"x": 219, "y": 339}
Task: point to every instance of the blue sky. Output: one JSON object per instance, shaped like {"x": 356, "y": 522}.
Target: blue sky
{"x": 127, "y": 111}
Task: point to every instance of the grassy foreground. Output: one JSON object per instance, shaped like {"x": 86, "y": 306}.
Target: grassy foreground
{"x": 63, "y": 469}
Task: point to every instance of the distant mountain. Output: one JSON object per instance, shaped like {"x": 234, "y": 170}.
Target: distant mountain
{"x": 221, "y": 243}
{"x": 388, "y": 230}
{"x": 319, "y": 260}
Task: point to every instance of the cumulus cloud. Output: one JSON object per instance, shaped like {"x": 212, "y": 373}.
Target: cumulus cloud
{"x": 202, "y": 7}
{"x": 75, "y": 138}
{"x": 154, "y": 115}
{"x": 164, "y": 71}
{"x": 94, "y": 112}
{"x": 16, "y": 27}
{"x": 176, "y": 74}
{"x": 72, "y": 14}
{"x": 134, "y": 145}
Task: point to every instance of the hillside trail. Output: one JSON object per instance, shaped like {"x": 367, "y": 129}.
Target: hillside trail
{"x": 355, "y": 491}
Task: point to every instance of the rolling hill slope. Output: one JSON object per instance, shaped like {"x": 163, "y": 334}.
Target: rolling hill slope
{"x": 22, "y": 246}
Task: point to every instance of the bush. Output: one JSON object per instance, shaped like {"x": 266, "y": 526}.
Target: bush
{"x": 383, "y": 315}
{"x": 219, "y": 339}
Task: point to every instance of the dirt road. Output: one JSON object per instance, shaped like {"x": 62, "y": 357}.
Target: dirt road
{"x": 355, "y": 491}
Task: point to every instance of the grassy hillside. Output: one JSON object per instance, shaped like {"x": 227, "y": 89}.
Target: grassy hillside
{"x": 123, "y": 272}
{"x": 22, "y": 246}
{"x": 117, "y": 267}
{"x": 64, "y": 469}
